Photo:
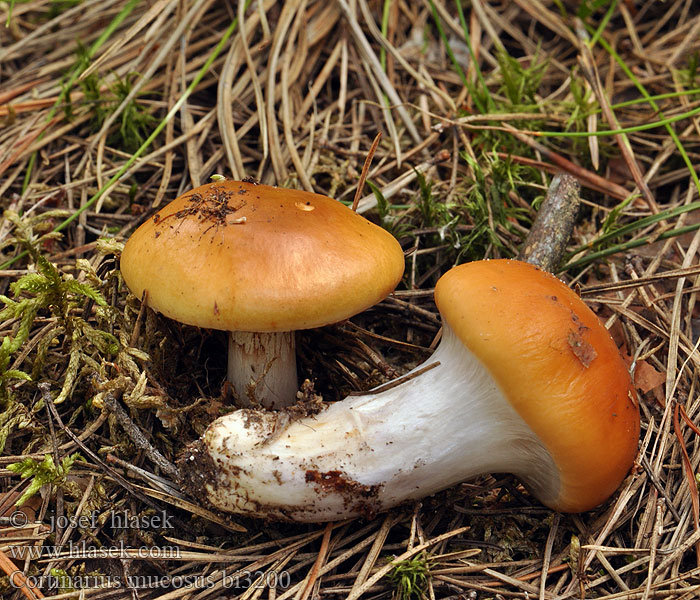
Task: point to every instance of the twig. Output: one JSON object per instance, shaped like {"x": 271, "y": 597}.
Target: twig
{"x": 138, "y": 437}
{"x": 546, "y": 243}
{"x": 162, "y": 483}
{"x": 45, "y": 389}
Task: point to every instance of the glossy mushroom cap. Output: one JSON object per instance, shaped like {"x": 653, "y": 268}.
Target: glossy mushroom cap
{"x": 526, "y": 380}
{"x": 558, "y": 367}
{"x": 240, "y": 256}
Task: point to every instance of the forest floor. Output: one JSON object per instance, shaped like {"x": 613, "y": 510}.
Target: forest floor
{"x": 110, "y": 109}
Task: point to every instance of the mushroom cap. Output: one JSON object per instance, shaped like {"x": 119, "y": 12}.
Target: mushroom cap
{"x": 557, "y": 365}
{"x": 241, "y": 256}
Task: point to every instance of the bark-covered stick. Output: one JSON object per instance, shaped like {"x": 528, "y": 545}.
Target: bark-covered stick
{"x": 546, "y": 243}
{"x": 137, "y": 436}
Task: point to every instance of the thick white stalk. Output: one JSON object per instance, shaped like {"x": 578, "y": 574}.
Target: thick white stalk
{"x": 262, "y": 368}
{"x": 368, "y": 453}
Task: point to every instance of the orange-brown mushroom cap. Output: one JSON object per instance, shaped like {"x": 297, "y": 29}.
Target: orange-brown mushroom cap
{"x": 240, "y": 256}
{"x": 557, "y": 365}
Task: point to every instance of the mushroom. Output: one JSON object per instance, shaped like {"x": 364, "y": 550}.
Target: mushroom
{"x": 260, "y": 262}
{"x": 526, "y": 380}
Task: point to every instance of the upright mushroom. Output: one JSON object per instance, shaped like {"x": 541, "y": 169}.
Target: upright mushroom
{"x": 526, "y": 380}
{"x": 260, "y": 262}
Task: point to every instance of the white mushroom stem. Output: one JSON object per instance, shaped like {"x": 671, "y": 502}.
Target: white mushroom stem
{"x": 262, "y": 368}
{"x": 368, "y": 453}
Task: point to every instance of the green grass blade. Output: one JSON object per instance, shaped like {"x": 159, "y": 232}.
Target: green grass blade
{"x": 385, "y": 31}
{"x": 173, "y": 111}
{"x": 457, "y": 67}
{"x": 654, "y": 97}
{"x": 634, "y": 226}
{"x": 681, "y": 149}
{"x": 608, "y": 132}
{"x": 472, "y": 56}
{"x": 624, "y": 246}
{"x": 65, "y": 90}
{"x": 603, "y": 24}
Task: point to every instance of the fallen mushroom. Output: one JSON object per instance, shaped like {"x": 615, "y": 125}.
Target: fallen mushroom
{"x": 526, "y": 380}
{"x": 260, "y": 262}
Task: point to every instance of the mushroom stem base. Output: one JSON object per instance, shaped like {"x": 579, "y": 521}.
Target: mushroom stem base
{"x": 368, "y": 453}
{"x": 262, "y": 368}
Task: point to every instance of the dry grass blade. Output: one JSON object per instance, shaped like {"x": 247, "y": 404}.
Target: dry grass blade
{"x": 373, "y": 554}
{"x": 688, "y": 468}
{"x": 591, "y": 72}
{"x": 159, "y": 9}
{"x": 318, "y": 563}
{"x": 406, "y": 555}
{"x": 286, "y": 112}
{"x": 586, "y": 177}
{"x": 369, "y": 55}
{"x": 18, "y": 579}
{"x": 365, "y": 170}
